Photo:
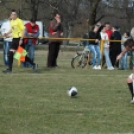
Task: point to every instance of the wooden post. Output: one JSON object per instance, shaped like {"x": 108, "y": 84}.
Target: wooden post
{"x": 102, "y": 50}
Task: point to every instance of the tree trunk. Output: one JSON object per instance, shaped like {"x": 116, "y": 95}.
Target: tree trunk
{"x": 92, "y": 13}
{"x": 34, "y": 8}
{"x": 67, "y": 33}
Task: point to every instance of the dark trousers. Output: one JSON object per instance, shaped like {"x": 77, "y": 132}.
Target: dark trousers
{"x": 54, "y": 48}
{"x": 113, "y": 54}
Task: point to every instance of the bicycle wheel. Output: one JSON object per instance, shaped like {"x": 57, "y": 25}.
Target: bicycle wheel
{"x": 79, "y": 61}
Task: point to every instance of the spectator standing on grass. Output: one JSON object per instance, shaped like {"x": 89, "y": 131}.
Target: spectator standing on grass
{"x": 32, "y": 30}
{"x": 104, "y": 36}
{"x": 95, "y": 48}
{"x": 115, "y": 47}
{"x": 18, "y": 32}
{"x": 55, "y": 31}
{"x": 123, "y": 61}
{"x": 129, "y": 46}
{"x": 7, "y": 41}
{"x": 109, "y": 33}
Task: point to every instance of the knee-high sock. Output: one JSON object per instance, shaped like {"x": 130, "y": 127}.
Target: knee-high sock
{"x": 27, "y": 59}
{"x": 130, "y": 85}
{"x": 10, "y": 55}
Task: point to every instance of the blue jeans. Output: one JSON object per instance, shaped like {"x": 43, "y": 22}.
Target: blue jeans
{"x": 6, "y": 47}
{"x": 124, "y": 61}
{"x": 95, "y": 50}
{"x": 107, "y": 58}
{"x": 30, "y": 48}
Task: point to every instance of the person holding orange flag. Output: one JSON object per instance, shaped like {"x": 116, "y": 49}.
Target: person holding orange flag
{"x": 18, "y": 31}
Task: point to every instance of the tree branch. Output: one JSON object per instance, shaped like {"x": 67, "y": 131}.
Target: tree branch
{"x": 101, "y": 17}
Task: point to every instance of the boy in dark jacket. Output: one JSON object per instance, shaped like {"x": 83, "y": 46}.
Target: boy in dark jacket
{"x": 115, "y": 47}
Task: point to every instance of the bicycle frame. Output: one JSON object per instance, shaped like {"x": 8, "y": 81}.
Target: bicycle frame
{"x": 81, "y": 58}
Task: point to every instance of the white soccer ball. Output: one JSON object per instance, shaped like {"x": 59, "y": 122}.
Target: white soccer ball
{"x": 72, "y": 91}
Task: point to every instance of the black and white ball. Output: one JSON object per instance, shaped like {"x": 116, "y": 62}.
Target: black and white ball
{"x": 72, "y": 91}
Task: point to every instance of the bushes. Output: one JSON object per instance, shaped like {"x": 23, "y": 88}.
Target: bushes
{"x": 63, "y": 47}
{"x": 45, "y": 47}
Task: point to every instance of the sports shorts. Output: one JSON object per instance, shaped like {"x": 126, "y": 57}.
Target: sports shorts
{"x": 15, "y": 43}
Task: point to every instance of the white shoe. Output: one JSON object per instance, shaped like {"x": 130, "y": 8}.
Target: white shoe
{"x": 132, "y": 101}
{"x": 99, "y": 67}
{"x": 110, "y": 68}
{"x": 95, "y": 67}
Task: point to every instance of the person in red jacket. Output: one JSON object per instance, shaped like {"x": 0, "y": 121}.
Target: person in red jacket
{"x": 108, "y": 29}
{"x": 55, "y": 31}
{"x": 32, "y": 30}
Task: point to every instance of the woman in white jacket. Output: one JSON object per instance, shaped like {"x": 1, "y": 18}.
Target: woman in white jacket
{"x": 7, "y": 41}
{"x": 104, "y": 36}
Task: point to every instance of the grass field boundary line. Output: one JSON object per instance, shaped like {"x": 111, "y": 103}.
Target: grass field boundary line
{"x": 43, "y": 74}
{"x": 76, "y": 113}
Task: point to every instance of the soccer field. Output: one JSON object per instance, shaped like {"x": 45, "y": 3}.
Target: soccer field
{"x": 37, "y": 103}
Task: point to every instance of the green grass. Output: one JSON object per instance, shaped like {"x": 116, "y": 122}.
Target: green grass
{"x": 37, "y": 103}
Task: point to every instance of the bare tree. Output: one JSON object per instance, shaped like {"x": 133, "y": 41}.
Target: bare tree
{"x": 93, "y": 12}
{"x": 75, "y": 13}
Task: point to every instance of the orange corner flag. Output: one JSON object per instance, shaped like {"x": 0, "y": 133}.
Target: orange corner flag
{"x": 20, "y": 54}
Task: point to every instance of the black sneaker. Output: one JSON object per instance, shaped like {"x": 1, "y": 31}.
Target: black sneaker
{"x": 35, "y": 67}
{"x": 7, "y": 71}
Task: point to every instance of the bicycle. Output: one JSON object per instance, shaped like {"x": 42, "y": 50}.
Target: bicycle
{"x": 82, "y": 58}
